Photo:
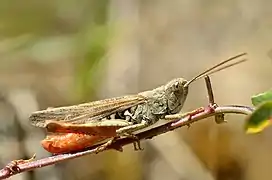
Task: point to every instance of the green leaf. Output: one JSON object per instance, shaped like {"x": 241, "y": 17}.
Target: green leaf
{"x": 260, "y": 98}
{"x": 260, "y": 119}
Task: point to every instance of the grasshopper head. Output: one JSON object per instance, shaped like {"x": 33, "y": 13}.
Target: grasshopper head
{"x": 176, "y": 93}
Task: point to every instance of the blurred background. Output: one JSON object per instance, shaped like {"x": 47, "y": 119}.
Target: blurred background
{"x": 63, "y": 52}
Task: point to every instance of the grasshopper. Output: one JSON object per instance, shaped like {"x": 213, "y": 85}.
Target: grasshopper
{"x": 76, "y": 127}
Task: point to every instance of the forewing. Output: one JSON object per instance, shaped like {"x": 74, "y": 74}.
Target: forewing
{"x": 82, "y": 113}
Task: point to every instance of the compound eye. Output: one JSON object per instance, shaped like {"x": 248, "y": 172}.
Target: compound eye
{"x": 176, "y": 85}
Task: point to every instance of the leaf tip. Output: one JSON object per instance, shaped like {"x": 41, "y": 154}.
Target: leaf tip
{"x": 259, "y": 128}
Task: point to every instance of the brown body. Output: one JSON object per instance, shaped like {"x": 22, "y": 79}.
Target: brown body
{"x": 74, "y": 127}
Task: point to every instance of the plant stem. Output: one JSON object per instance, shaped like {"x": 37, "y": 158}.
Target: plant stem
{"x": 147, "y": 134}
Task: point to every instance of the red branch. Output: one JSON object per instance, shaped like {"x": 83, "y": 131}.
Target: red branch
{"x": 10, "y": 170}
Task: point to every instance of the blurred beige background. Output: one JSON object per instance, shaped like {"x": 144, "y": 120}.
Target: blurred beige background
{"x": 55, "y": 53}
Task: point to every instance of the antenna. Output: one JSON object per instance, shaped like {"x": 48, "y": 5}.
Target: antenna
{"x": 219, "y": 66}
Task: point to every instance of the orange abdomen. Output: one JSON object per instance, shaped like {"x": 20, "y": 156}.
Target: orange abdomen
{"x": 69, "y": 142}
